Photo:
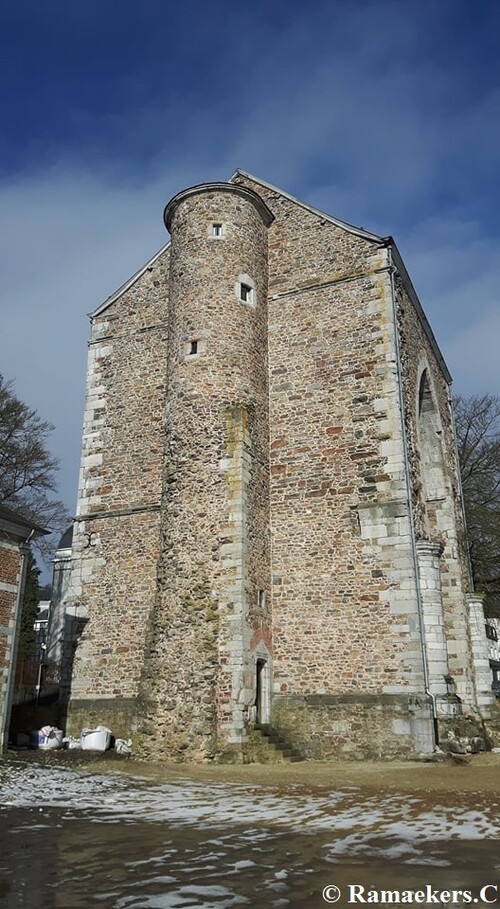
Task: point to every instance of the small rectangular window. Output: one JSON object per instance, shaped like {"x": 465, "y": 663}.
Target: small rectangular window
{"x": 193, "y": 347}
{"x": 216, "y": 230}
{"x": 246, "y": 293}
{"x": 261, "y": 599}
{"x": 491, "y": 632}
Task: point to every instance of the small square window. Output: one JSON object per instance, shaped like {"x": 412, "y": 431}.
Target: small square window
{"x": 217, "y": 230}
{"x": 246, "y": 293}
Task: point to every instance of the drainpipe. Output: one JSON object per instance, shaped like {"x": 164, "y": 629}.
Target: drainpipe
{"x": 418, "y": 591}
{"x": 460, "y": 488}
{"x": 24, "y": 549}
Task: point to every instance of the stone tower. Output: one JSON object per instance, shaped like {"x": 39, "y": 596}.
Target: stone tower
{"x": 210, "y": 629}
{"x": 269, "y": 525}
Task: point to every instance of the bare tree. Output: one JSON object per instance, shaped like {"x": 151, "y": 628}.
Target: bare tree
{"x": 27, "y": 469}
{"x": 478, "y": 437}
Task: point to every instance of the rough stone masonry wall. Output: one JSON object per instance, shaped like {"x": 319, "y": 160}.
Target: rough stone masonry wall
{"x": 197, "y": 680}
{"x": 117, "y": 533}
{"x": 354, "y": 726}
{"x": 344, "y": 607}
{"x": 347, "y": 652}
{"x": 439, "y": 519}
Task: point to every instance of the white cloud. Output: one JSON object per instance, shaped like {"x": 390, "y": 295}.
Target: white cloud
{"x": 455, "y": 267}
{"x": 67, "y": 240}
{"x": 341, "y": 109}
{"x": 474, "y": 353}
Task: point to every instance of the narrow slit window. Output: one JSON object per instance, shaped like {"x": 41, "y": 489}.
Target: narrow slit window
{"x": 261, "y": 599}
{"x": 193, "y": 347}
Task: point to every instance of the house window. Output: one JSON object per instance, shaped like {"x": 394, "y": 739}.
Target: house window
{"x": 491, "y": 632}
{"x": 217, "y": 230}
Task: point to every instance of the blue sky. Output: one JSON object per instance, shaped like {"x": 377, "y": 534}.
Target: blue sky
{"x": 383, "y": 113}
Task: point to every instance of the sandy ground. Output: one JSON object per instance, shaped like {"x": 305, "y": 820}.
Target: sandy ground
{"x": 482, "y": 774}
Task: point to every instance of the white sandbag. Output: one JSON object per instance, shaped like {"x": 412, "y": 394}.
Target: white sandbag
{"x": 123, "y": 746}
{"x": 98, "y": 739}
{"x": 49, "y": 737}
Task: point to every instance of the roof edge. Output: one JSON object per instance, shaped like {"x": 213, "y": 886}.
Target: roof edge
{"x": 412, "y": 293}
{"x": 385, "y": 241}
{"x": 267, "y": 214}
{"x": 127, "y": 285}
{"x": 20, "y": 524}
{"x": 351, "y": 228}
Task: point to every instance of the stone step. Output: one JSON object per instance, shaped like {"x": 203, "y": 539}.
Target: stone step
{"x": 264, "y": 750}
{"x": 266, "y": 733}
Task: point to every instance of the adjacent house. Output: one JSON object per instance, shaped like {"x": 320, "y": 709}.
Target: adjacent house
{"x": 16, "y": 532}
{"x": 64, "y": 623}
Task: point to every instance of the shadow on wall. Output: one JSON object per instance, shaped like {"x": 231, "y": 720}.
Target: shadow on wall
{"x": 43, "y": 686}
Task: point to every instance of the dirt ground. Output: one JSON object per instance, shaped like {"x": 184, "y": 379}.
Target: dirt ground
{"x": 482, "y": 774}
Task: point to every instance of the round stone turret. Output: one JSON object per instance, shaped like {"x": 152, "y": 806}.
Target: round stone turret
{"x": 218, "y": 290}
{"x": 204, "y": 188}
{"x": 215, "y": 568}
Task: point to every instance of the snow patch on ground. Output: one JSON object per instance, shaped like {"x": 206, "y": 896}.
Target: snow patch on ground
{"x": 113, "y": 797}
